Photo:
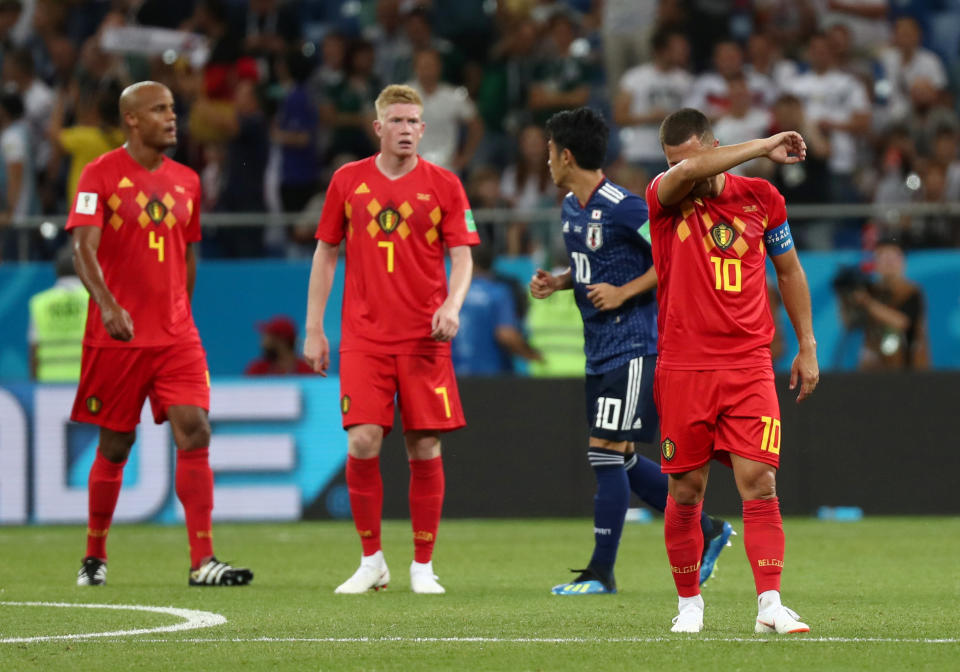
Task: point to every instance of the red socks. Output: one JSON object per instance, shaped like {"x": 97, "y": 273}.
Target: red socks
{"x": 426, "y": 502}
{"x": 366, "y": 500}
{"x": 103, "y": 489}
{"x": 681, "y": 530}
{"x": 763, "y": 542}
{"x": 194, "y": 486}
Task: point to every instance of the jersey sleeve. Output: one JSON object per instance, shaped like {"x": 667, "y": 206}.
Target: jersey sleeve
{"x": 88, "y": 204}
{"x": 193, "y": 233}
{"x": 333, "y": 217}
{"x": 654, "y": 208}
{"x": 776, "y": 208}
{"x": 457, "y": 225}
{"x": 632, "y": 218}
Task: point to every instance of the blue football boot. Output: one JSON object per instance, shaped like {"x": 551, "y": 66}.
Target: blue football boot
{"x": 589, "y": 582}
{"x": 712, "y": 547}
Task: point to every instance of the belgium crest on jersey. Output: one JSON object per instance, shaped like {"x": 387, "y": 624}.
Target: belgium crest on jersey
{"x": 594, "y": 235}
{"x": 156, "y": 211}
{"x": 388, "y": 219}
{"x": 668, "y": 448}
{"x": 722, "y": 235}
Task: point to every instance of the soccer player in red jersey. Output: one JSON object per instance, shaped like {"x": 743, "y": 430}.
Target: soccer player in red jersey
{"x": 712, "y": 233}
{"x": 134, "y": 220}
{"x": 397, "y": 213}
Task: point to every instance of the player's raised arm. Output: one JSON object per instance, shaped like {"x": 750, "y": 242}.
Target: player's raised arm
{"x": 316, "y": 348}
{"x": 116, "y": 320}
{"x": 695, "y": 157}
{"x": 446, "y": 321}
{"x": 792, "y": 282}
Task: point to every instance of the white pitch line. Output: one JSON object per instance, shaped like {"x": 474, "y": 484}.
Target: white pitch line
{"x": 542, "y": 640}
{"x": 193, "y": 619}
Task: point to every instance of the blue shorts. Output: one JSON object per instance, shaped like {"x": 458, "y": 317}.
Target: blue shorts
{"x": 620, "y": 402}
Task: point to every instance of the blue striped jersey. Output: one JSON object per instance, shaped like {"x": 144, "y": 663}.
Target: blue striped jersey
{"x": 608, "y": 241}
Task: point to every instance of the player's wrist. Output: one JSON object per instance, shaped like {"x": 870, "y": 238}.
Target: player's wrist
{"x": 808, "y": 345}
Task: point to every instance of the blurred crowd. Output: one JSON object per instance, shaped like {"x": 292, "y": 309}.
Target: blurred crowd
{"x": 274, "y": 95}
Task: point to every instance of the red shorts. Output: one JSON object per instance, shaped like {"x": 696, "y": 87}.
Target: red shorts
{"x": 114, "y": 382}
{"x": 710, "y": 414}
{"x": 424, "y": 385}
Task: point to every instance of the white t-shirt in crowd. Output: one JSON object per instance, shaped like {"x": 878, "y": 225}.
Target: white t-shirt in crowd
{"x": 15, "y": 147}
{"x": 901, "y": 75}
{"x": 730, "y": 130}
{"x": 709, "y": 92}
{"x": 650, "y": 88}
{"x": 443, "y": 112}
{"x": 835, "y": 96}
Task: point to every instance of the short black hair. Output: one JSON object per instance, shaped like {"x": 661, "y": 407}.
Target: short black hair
{"x": 584, "y": 132}
{"x": 662, "y": 36}
{"x": 683, "y": 124}
{"x": 12, "y": 105}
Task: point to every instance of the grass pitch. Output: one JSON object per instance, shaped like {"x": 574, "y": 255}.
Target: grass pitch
{"x": 877, "y": 594}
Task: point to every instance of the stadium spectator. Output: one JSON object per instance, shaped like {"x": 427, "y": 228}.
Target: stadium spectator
{"x": 788, "y": 22}
{"x": 894, "y": 314}
{"x": 19, "y": 77}
{"x": 490, "y": 333}
{"x": 18, "y": 155}
{"x": 448, "y": 112}
{"x": 58, "y": 316}
{"x": 418, "y": 35}
{"x": 905, "y": 63}
{"x": 95, "y": 131}
{"x": 346, "y": 110}
{"x": 294, "y": 131}
{"x": 483, "y": 193}
{"x": 243, "y": 168}
{"x": 866, "y": 19}
{"x": 742, "y": 121}
{"x": 928, "y": 113}
{"x": 807, "y": 181}
{"x": 838, "y": 103}
{"x": 400, "y": 346}
{"x": 849, "y": 60}
{"x": 278, "y": 354}
{"x": 765, "y": 57}
{"x": 946, "y": 153}
{"x": 387, "y": 33}
{"x": 710, "y": 90}
{"x": 649, "y": 92}
{"x": 627, "y": 36}
{"x": 270, "y": 29}
{"x": 526, "y": 183}
{"x": 560, "y": 78}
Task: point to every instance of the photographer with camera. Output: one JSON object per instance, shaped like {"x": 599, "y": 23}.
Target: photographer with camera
{"x": 891, "y": 310}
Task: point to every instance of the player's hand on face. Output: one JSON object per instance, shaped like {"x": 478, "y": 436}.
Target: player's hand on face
{"x": 541, "y": 284}
{"x": 316, "y": 350}
{"x": 445, "y": 323}
{"x": 604, "y": 296}
{"x": 787, "y": 147}
{"x": 806, "y": 371}
{"x": 117, "y": 322}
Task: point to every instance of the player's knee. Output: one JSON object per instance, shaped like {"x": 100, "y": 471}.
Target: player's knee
{"x": 687, "y": 489}
{"x": 194, "y": 435}
{"x": 115, "y": 446}
{"x": 422, "y": 446}
{"x": 363, "y": 442}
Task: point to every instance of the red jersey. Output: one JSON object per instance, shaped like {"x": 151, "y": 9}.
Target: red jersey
{"x": 396, "y": 231}
{"x": 147, "y": 219}
{"x": 710, "y": 258}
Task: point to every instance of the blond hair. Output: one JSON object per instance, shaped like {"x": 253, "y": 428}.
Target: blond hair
{"x": 396, "y": 93}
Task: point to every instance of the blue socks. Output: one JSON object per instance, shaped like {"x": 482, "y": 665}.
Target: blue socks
{"x": 650, "y": 485}
{"x": 609, "y": 506}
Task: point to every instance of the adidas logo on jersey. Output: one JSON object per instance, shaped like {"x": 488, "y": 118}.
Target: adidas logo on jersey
{"x": 566, "y": 226}
{"x": 638, "y": 423}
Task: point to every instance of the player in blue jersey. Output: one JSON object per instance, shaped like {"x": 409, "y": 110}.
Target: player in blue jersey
{"x": 611, "y": 273}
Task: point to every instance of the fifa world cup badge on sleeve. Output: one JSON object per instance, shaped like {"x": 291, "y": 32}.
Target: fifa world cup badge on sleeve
{"x": 86, "y": 203}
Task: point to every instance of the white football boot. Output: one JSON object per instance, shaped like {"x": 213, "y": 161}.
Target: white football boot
{"x": 690, "y": 616}
{"x": 372, "y": 574}
{"x": 423, "y": 580}
{"x": 772, "y": 616}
